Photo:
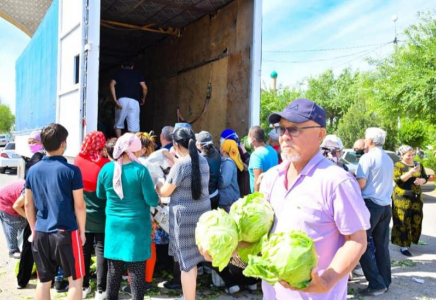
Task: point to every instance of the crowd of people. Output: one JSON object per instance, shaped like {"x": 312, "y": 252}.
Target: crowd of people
{"x": 105, "y": 203}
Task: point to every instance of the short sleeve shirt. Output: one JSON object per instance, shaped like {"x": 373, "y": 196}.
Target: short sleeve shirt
{"x": 8, "y": 195}
{"x": 262, "y": 158}
{"x": 128, "y": 84}
{"x": 377, "y": 168}
{"x": 325, "y": 202}
{"x": 52, "y": 182}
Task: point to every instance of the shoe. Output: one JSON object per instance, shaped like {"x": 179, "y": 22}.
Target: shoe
{"x": 406, "y": 252}
{"x": 86, "y": 291}
{"x": 20, "y": 287}
{"x": 148, "y": 285}
{"x": 127, "y": 289}
{"x": 172, "y": 285}
{"x": 232, "y": 290}
{"x": 61, "y": 286}
{"x": 200, "y": 271}
{"x": 252, "y": 287}
{"x": 100, "y": 295}
{"x": 372, "y": 292}
{"x": 207, "y": 269}
{"x": 358, "y": 271}
{"x": 15, "y": 254}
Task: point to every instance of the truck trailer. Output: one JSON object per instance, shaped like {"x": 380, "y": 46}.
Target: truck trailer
{"x": 200, "y": 59}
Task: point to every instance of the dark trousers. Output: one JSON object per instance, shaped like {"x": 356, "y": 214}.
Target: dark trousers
{"x": 101, "y": 261}
{"x": 378, "y": 271}
{"x": 232, "y": 275}
{"x": 137, "y": 278}
{"x": 26, "y": 261}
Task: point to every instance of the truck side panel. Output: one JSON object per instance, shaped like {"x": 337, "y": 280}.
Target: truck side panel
{"x": 36, "y": 76}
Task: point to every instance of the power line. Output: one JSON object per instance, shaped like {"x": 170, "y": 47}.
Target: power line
{"x": 323, "y": 49}
{"x": 326, "y": 59}
{"x": 367, "y": 52}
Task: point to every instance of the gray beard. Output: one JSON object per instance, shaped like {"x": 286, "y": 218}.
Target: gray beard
{"x": 290, "y": 157}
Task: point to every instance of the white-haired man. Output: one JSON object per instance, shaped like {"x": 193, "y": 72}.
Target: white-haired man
{"x": 166, "y": 137}
{"x": 375, "y": 176}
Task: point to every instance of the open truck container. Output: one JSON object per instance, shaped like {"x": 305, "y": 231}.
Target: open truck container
{"x": 200, "y": 60}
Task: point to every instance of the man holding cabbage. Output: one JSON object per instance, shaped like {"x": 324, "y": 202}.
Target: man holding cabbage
{"x": 310, "y": 194}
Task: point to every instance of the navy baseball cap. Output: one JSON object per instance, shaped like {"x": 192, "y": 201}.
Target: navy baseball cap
{"x": 300, "y": 111}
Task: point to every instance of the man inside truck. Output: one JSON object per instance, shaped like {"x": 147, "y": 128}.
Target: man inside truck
{"x": 128, "y": 91}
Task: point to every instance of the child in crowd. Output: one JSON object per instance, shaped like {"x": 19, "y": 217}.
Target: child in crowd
{"x": 56, "y": 214}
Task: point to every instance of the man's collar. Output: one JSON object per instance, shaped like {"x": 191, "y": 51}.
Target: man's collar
{"x": 55, "y": 157}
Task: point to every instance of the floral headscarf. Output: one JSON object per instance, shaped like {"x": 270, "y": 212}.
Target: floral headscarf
{"x": 127, "y": 143}
{"x": 404, "y": 149}
{"x": 230, "y": 147}
{"x": 91, "y": 146}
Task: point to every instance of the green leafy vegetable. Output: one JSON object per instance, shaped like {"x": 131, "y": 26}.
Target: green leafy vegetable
{"x": 217, "y": 233}
{"x": 285, "y": 256}
{"x": 254, "y": 217}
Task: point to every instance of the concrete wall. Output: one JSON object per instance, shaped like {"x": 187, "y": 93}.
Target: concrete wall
{"x": 215, "y": 49}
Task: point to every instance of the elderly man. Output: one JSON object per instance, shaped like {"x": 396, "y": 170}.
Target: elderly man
{"x": 311, "y": 194}
{"x": 166, "y": 137}
{"x": 375, "y": 175}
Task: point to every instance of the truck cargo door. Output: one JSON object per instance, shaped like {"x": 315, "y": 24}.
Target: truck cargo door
{"x": 78, "y": 55}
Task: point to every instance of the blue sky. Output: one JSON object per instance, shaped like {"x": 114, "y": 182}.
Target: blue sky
{"x": 288, "y": 25}
{"x": 293, "y": 25}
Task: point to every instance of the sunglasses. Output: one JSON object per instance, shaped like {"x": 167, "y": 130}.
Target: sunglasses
{"x": 293, "y": 131}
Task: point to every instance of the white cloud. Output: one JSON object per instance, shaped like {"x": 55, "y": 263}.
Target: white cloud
{"x": 350, "y": 23}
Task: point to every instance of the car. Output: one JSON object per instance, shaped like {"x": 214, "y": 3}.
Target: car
{"x": 351, "y": 161}
{"x": 8, "y": 158}
{"x": 4, "y": 139}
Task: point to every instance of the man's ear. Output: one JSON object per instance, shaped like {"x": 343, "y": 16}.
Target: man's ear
{"x": 322, "y": 134}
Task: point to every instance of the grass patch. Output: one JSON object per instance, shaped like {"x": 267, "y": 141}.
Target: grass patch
{"x": 403, "y": 263}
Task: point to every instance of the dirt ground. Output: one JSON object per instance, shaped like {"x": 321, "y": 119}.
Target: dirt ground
{"x": 407, "y": 273}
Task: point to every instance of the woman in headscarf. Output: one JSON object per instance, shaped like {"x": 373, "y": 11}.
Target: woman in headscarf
{"x": 129, "y": 190}
{"x": 91, "y": 159}
{"x": 243, "y": 176}
{"x": 228, "y": 183}
{"x": 407, "y": 200}
{"x": 187, "y": 184}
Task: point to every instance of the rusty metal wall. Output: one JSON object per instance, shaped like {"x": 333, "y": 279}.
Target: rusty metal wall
{"x": 214, "y": 49}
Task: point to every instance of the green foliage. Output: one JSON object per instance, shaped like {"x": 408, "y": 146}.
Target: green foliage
{"x": 412, "y": 133}
{"x": 7, "y": 119}
{"x": 406, "y": 80}
{"x": 274, "y": 101}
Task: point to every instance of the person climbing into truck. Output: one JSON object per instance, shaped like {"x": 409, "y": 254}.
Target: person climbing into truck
{"x": 128, "y": 91}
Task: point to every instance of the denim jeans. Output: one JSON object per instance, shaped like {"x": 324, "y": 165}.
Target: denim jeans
{"x": 378, "y": 271}
{"x": 101, "y": 261}
{"x": 12, "y": 226}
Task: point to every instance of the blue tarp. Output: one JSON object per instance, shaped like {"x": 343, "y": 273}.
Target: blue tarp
{"x": 36, "y": 76}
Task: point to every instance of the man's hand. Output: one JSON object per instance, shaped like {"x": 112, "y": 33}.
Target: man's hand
{"x": 317, "y": 285}
{"x": 83, "y": 238}
{"x": 205, "y": 254}
{"x": 118, "y": 105}
{"x": 142, "y": 101}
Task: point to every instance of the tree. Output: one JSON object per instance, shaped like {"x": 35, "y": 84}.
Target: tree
{"x": 7, "y": 119}
{"x": 405, "y": 82}
{"x": 355, "y": 122}
{"x": 334, "y": 94}
{"x": 274, "y": 101}
{"x": 413, "y": 133}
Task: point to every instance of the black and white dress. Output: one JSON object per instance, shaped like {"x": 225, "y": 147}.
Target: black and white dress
{"x": 185, "y": 212}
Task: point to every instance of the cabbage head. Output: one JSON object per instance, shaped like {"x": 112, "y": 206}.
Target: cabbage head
{"x": 217, "y": 233}
{"x": 254, "y": 217}
{"x": 287, "y": 256}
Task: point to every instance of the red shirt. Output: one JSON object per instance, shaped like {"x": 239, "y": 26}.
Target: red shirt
{"x": 89, "y": 171}
{"x": 9, "y": 194}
